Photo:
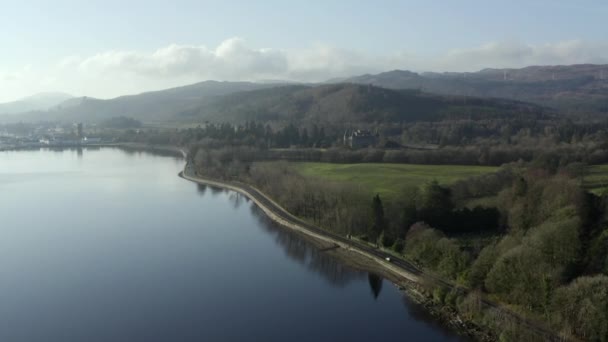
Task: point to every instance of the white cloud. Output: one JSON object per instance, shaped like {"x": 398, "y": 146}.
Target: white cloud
{"x": 114, "y": 73}
{"x": 17, "y": 75}
{"x": 9, "y": 77}
{"x": 515, "y": 55}
{"x": 233, "y": 59}
{"x": 322, "y": 62}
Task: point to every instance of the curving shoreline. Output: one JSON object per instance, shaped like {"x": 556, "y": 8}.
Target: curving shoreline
{"x": 355, "y": 253}
{"x": 283, "y": 217}
{"x": 402, "y": 273}
{"x": 124, "y": 145}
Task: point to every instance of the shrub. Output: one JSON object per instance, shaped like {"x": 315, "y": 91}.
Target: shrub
{"x": 582, "y": 307}
{"x": 398, "y": 245}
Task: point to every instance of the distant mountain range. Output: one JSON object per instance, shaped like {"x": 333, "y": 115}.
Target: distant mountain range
{"x": 150, "y": 106}
{"x": 42, "y": 101}
{"x": 574, "y": 89}
{"x": 343, "y": 103}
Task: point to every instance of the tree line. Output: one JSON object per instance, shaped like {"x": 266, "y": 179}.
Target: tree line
{"x": 541, "y": 249}
{"x": 549, "y": 143}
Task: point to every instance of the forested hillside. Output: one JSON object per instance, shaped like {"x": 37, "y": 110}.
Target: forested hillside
{"x": 343, "y": 103}
{"x": 161, "y": 105}
{"x": 575, "y": 89}
{"x": 38, "y": 102}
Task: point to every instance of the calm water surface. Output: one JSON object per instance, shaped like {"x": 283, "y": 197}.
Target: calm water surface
{"x": 108, "y": 245}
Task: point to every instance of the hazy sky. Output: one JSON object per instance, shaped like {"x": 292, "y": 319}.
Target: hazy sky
{"x": 106, "y": 48}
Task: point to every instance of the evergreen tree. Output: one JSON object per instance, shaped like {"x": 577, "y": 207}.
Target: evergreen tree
{"x": 378, "y": 219}
{"x": 304, "y": 138}
{"x": 409, "y": 216}
{"x": 434, "y": 204}
{"x": 315, "y": 133}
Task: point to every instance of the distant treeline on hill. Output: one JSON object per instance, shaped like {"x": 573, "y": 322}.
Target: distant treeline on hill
{"x": 322, "y": 104}
{"x": 494, "y": 156}
{"x": 534, "y": 92}
{"x": 552, "y": 144}
{"x": 341, "y": 103}
{"x": 121, "y": 122}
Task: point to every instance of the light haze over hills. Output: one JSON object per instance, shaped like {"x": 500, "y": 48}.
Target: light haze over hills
{"x": 37, "y": 102}
{"x": 566, "y": 89}
{"x": 252, "y": 41}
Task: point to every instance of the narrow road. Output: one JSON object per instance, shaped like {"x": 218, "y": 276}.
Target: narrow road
{"x": 262, "y": 199}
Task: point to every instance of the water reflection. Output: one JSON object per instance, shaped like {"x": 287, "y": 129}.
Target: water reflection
{"x": 215, "y": 190}
{"x": 237, "y": 199}
{"x": 94, "y": 148}
{"x": 136, "y": 151}
{"x": 157, "y": 264}
{"x": 375, "y": 282}
{"x": 301, "y": 251}
{"x": 298, "y": 249}
{"x": 201, "y": 188}
{"x": 318, "y": 262}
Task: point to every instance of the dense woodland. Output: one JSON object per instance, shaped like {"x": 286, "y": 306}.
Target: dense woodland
{"x": 543, "y": 249}
{"x": 575, "y": 89}
{"x": 541, "y": 246}
{"x": 550, "y": 143}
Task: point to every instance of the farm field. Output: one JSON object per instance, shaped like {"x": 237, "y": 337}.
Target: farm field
{"x": 596, "y": 178}
{"x": 389, "y": 179}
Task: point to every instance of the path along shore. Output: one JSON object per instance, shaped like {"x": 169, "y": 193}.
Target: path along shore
{"x": 402, "y": 271}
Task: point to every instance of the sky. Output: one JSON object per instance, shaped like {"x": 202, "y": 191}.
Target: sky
{"x": 108, "y": 48}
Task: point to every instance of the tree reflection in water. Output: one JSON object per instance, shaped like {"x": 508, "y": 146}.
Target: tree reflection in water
{"x": 303, "y": 252}
{"x": 375, "y": 282}
{"x": 300, "y": 250}
{"x": 215, "y": 190}
{"x": 237, "y": 199}
{"x": 136, "y": 151}
{"x": 329, "y": 268}
{"x": 202, "y": 189}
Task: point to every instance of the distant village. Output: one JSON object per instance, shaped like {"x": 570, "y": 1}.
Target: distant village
{"x": 360, "y": 138}
{"x": 48, "y": 135}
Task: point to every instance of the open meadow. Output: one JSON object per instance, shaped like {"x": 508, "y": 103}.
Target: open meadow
{"x": 596, "y": 178}
{"x": 389, "y": 179}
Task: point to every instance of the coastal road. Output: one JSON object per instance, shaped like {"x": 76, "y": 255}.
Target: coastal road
{"x": 276, "y": 209}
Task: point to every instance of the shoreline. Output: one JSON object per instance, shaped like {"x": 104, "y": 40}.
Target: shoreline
{"x": 295, "y": 225}
{"x": 408, "y": 282}
{"x": 407, "y": 277}
{"x": 177, "y": 151}
{"x": 401, "y": 273}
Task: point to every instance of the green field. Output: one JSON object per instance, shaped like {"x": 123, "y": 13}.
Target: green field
{"x": 596, "y": 178}
{"x": 389, "y": 179}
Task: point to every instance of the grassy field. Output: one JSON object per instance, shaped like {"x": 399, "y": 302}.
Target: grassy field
{"x": 389, "y": 179}
{"x": 596, "y": 179}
